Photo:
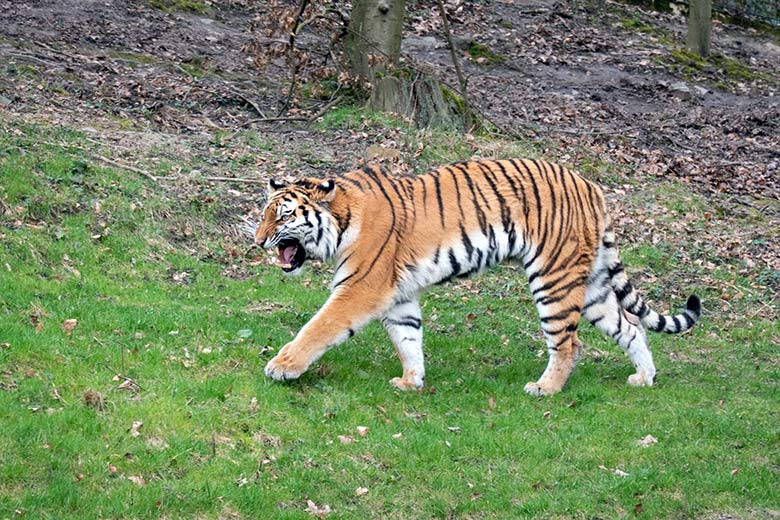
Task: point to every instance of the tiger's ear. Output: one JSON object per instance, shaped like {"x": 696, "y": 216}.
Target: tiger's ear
{"x": 275, "y": 185}
{"x": 326, "y": 190}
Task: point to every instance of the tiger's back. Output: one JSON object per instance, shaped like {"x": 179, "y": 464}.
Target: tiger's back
{"x": 395, "y": 236}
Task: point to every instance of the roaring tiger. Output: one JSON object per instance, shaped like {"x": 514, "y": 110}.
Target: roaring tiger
{"x": 391, "y": 237}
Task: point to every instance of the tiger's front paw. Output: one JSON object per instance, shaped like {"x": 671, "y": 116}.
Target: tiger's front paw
{"x": 285, "y": 366}
{"x": 540, "y": 389}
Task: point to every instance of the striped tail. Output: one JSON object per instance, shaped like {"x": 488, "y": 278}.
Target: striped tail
{"x": 632, "y": 302}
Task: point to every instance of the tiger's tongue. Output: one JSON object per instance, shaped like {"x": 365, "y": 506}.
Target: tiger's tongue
{"x": 286, "y": 255}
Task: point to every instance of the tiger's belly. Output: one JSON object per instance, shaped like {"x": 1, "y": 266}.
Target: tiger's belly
{"x": 461, "y": 256}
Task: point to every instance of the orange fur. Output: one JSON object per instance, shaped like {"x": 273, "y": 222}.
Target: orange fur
{"x": 391, "y": 237}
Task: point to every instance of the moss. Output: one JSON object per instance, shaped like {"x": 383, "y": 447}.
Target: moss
{"x": 635, "y": 23}
{"x": 481, "y": 53}
{"x": 729, "y": 70}
{"x": 170, "y": 6}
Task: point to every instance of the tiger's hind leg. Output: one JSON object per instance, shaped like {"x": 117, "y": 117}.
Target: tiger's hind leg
{"x": 559, "y": 299}
{"x": 603, "y": 310}
{"x": 403, "y": 323}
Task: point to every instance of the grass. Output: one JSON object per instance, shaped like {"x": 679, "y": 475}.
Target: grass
{"x": 219, "y": 440}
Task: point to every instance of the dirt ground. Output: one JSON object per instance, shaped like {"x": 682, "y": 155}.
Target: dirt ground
{"x": 610, "y": 87}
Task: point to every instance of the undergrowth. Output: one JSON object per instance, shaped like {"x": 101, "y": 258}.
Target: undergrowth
{"x": 153, "y": 402}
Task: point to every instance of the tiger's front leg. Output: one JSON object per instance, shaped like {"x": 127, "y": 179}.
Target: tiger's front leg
{"x": 403, "y": 322}
{"x": 343, "y": 314}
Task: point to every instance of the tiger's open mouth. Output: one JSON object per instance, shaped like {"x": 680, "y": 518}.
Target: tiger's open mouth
{"x": 291, "y": 254}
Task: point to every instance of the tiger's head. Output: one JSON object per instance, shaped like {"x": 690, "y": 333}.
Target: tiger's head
{"x": 297, "y": 221}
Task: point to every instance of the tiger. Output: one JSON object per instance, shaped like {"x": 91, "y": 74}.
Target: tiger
{"x": 392, "y": 237}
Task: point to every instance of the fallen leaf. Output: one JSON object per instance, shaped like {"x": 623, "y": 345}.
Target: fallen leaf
{"x": 397, "y": 435}
{"x": 359, "y": 492}
{"x": 93, "y": 399}
{"x": 491, "y": 403}
{"x": 69, "y": 325}
{"x": 455, "y": 429}
{"x": 316, "y": 510}
{"x": 647, "y": 441}
{"x": 363, "y": 430}
{"x": 734, "y": 471}
{"x": 135, "y": 427}
{"x": 638, "y": 509}
{"x": 346, "y": 439}
{"x": 129, "y": 385}
{"x": 112, "y": 469}
{"x": 137, "y": 479}
{"x": 547, "y": 414}
{"x": 616, "y": 471}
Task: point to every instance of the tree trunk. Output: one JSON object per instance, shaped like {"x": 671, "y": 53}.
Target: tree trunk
{"x": 699, "y": 27}
{"x": 374, "y": 39}
{"x": 374, "y": 47}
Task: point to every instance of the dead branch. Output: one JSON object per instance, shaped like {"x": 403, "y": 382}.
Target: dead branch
{"x": 293, "y": 61}
{"x": 456, "y": 63}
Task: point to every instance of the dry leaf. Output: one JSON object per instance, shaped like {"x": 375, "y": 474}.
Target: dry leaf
{"x": 359, "y": 492}
{"x": 129, "y": 385}
{"x": 134, "y": 429}
{"x": 316, "y": 510}
{"x": 137, "y": 479}
{"x": 112, "y": 469}
{"x": 69, "y": 325}
{"x": 616, "y": 471}
{"x": 491, "y": 403}
{"x": 346, "y": 439}
{"x": 363, "y": 430}
{"x": 647, "y": 441}
{"x": 93, "y": 399}
{"x": 397, "y": 435}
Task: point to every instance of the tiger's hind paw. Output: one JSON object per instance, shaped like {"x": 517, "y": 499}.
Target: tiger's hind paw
{"x": 408, "y": 383}
{"x": 641, "y": 378}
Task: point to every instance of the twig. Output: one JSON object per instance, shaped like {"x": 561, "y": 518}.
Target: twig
{"x": 458, "y": 71}
{"x": 240, "y": 180}
{"x": 117, "y": 374}
{"x": 106, "y": 160}
{"x": 330, "y": 104}
{"x": 294, "y": 78}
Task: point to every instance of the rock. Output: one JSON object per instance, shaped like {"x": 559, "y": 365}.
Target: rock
{"x": 681, "y": 91}
{"x": 700, "y": 91}
{"x": 4, "y": 101}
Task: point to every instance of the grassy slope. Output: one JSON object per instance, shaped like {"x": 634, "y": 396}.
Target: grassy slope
{"x": 219, "y": 440}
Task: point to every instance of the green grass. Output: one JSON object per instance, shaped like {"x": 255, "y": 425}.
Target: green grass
{"x": 170, "y": 6}
{"x": 219, "y": 440}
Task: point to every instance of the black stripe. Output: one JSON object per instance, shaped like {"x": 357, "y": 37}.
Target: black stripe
{"x": 522, "y": 188}
{"x": 408, "y": 321}
{"x": 561, "y": 315}
{"x": 454, "y": 263}
{"x": 477, "y": 208}
{"x": 392, "y": 229}
{"x": 437, "y": 186}
{"x": 466, "y": 242}
{"x": 677, "y": 324}
{"x": 424, "y": 194}
{"x": 689, "y": 321}
{"x": 355, "y": 183}
{"x": 661, "y": 323}
{"x": 457, "y": 191}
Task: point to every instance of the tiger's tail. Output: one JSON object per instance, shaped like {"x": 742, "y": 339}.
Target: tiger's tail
{"x": 632, "y": 301}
